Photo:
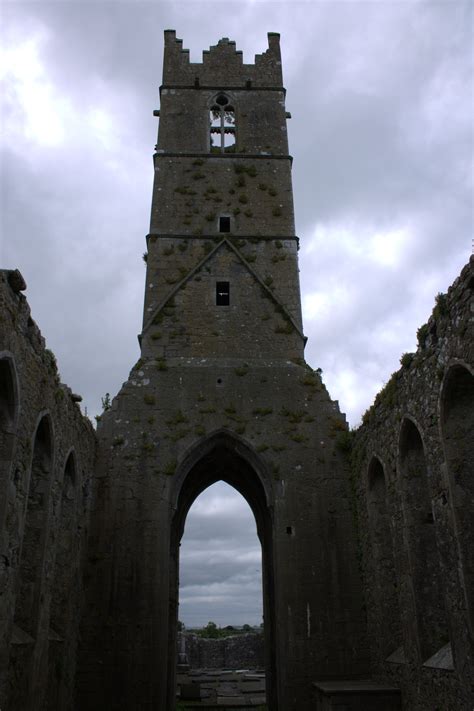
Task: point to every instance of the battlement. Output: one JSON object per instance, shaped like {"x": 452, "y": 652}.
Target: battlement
{"x": 222, "y": 64}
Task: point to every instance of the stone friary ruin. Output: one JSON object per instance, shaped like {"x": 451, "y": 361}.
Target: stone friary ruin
{"x": 367, "y": 539}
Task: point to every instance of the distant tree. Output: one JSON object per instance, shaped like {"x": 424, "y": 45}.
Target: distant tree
{"x": 210, "y": 630}
{"x": 246, "y": 628}
{"x": 180, "y": 626}
{"x": 106, "y": 404}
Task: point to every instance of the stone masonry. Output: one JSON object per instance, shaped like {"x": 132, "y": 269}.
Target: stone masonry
{"x": 221, "y": 391}
{"x": 366, "y": 537}
{"x": 412, "y": 473}
{"x": 47, "y": 451}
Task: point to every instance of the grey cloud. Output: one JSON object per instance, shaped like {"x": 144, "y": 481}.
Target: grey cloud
{"x": 381, "y": 135}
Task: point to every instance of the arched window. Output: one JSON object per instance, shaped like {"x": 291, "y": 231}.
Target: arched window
{"x": 384, "y": 579}
{"x": 222, "y": 126}
{"x": 420, "y": 537}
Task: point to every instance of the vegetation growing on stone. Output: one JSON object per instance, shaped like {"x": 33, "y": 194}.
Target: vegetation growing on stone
{"x": 177, "y": 419}
{"x": 294, "y": 417}
{"x": 298, "y": 437}
{"x": 106, "y": 402}
{"x": 50, "y": 361}
{"x": 286, "y": 328}
{"x": 407, "y": 359}
{"x": 161, "y": 364}
{"x": 421, "y": 335}
{"x": 311, "y": 381}
{"x": 441, "y": 308}
{"x": 170, "y": 468}
{"x": 262, "y": 411}
{"x": 344, "y": 441}
{"x": 242, "y": 370}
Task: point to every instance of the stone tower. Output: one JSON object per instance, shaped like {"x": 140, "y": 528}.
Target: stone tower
{"x": 221, "y": 392}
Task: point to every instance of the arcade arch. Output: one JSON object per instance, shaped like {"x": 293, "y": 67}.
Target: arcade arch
{"x": 432, "y": 627}
{"x": 383, "y": 558}
{"x": 457, "y": 429}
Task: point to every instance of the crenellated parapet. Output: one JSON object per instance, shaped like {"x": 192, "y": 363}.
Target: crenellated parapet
{"x": 221, "y": 64}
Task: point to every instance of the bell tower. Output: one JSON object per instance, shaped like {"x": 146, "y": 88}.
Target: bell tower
{"x": 221, "y": 392}
{"x": 222, "y": 275}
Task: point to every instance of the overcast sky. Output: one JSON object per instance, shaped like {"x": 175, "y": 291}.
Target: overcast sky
{"x": 381, "y": 96}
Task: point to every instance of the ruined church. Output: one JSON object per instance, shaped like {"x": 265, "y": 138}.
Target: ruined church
{"x": 367, "y": 537}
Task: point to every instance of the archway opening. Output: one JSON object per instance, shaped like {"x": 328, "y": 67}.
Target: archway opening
{"x": 420, "y": 536}
{"x": 457, "y": 426}
{"x": 32, "y": 548}
{"x": 220, "y": 593}
{"x": 7, "y": 395}
{"x": 224, "y": 459}
{"x": 8, "y": 416}
{"x": 385, "y": 580}
{"x": 31, "y": 571}
{"x": 64, "y": 603}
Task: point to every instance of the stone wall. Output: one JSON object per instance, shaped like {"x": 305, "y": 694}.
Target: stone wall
{"x": 243, "y": 651}
{"x": 47, "y": 453}
{"x": 222, "y": 65}
{"x": 413, "y": 460}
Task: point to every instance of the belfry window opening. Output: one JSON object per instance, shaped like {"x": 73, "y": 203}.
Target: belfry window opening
{"x": 222, "y": 126}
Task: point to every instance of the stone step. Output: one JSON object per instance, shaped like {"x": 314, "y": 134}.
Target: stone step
{"x": 356, "y": 695}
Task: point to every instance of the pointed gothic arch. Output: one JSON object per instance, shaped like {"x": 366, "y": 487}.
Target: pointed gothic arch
{"x": 33, "y": 539}
{"x": 9, "y": 408}
{"x": 420, "y": 537}
{"x": 457, "y": 432}
{"x": 31, "y": 573}
{"x": 224, "y": 457}
{"x": 383, "y": 559}
{"x": 63, "y": 605}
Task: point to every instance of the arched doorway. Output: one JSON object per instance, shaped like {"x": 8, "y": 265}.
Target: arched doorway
{"x": 220, "y": 577}
{"x": 224, "y": 457}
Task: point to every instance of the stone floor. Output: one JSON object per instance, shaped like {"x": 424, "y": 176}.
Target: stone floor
{"x": 221, "y": 689}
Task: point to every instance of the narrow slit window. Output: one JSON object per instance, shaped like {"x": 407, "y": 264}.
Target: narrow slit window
{"x": 222, "y": 293}
{"x": 224, "y": 223}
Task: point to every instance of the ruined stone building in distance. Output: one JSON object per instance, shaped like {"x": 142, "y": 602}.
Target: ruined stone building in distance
{"x": 367, "y": 539}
